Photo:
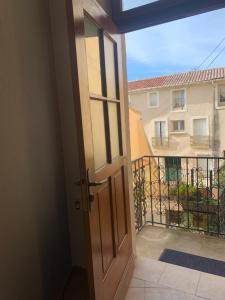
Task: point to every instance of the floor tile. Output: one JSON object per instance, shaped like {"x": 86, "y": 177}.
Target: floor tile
{"x": 152, "y": 240}
{"x": 167, "y": 294}
{"x": 211, "y": 287}
{"x": 135, "y": 294}
{"x": 180, "y": 278}
{"x": 152, "y": 285}
{"x": 137, "y": 283}
{"x": 148, "y": 269}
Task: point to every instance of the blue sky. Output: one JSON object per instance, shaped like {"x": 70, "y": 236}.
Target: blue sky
{"x": 175, "y": 47}
{"x": 128, "y": 4}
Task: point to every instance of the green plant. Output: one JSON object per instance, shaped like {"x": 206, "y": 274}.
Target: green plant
{"x": 210, "y": 201}
{"x": 183, "y": 189}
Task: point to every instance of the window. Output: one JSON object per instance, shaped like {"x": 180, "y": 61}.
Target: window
{"x": 178, "y": 100}
{"x": 200, "y": 127}
{"x": 178, "y": 126}
{"x": 161, "y": 134}
{"x": 160, "y": 129}
{"x": 200, "y": 136}
{"x": 153, "y": 99}
{"x": 221, "y": 96}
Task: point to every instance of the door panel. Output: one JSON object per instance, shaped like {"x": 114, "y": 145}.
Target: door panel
{"x": 120, "y": 207}
{"x": 100, "y": 101}
{"x": 106, "y": 226}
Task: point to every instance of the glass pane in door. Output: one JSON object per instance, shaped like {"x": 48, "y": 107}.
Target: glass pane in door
{"x": 110, "y": 67}
{"x": 98, "y": 133}
{"x": 93, "y": 57}
{"x": 114, "y": 130}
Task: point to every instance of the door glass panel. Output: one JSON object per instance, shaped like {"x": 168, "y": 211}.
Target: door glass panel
{"x": 110, "y": 67}
{"x": 98, "y": 133}
{"x": 93, "y": 57}
{"x": 114, "y": 130}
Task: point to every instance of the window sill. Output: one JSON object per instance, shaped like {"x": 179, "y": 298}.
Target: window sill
{"x": 179, "y": 110}
{"x": 220, "y": 107}
{"x": 178, "y": 132}
{"x": 152, "y": 107}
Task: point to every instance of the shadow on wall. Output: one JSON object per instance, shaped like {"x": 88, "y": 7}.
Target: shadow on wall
{"x": 138, "y": 140}
{"x": 35, "y": 252}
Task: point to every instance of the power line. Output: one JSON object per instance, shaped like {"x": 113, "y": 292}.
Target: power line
{"x": 211, "y": 53}
{"x": 216, "y": 57}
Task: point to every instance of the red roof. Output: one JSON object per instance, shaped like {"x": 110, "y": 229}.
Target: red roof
{"x": 178, "y": 79}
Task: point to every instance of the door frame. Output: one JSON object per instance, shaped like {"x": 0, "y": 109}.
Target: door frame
{"x": 160, "y": 12}
{"x": 63, "y": 30}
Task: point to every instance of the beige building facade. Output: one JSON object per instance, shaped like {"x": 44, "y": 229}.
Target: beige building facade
{"x": 183, "y": 114}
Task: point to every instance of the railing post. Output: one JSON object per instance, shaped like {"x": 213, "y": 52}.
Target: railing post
{"x": 210, "y": 181}
{"x": 192, "y": 177}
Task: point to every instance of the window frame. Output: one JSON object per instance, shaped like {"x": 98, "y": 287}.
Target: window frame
{"x": 166, "y": 126}
{"x": 172, "y": 100}
{"x": 148, "y": 99}
{"x": 197, "y": 118}
{"x": 177, "y": 131}
{"x": 159, "y": 12}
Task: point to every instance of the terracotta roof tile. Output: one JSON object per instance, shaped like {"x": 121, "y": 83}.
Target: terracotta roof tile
{"x": 178, "y": 79}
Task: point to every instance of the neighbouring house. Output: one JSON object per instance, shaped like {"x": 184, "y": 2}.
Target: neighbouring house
{"x": 183, "y": 114}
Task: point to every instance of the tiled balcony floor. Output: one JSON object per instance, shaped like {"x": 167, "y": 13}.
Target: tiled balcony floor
{"x": 152, "y": 240}
{"x": 155, "y": 280}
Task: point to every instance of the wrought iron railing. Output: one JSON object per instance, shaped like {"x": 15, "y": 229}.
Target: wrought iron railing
{"x": 186, "y": 192}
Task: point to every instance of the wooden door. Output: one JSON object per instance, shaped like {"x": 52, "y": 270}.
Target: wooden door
{"x": 97, "y": 54}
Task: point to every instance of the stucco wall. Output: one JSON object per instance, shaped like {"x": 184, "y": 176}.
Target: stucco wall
{"x": 138, "y": 139}
{"x": 200, "y": 103}
{"x": 34, "y": 251}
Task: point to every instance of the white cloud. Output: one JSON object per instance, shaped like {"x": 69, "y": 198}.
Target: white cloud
{"x": 182, "y": 43}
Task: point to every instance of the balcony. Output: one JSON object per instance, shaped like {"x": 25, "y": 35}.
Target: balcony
{"x": 160, "y": 142}
{"x": 200, "y": 141}
{"x": 180, "y": 192}
{"x": 179, "y": 206}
